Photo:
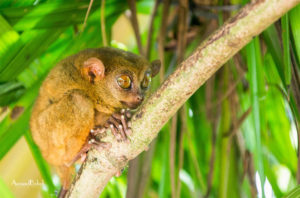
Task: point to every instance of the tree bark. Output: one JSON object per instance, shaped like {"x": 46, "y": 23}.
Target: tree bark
{"x": 251, "y": 20}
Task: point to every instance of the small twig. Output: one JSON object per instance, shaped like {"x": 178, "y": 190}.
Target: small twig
{"x": 195, "y": 161}
{"x": 180, "y": 148}
{"x": 145, "y": 170}
{"x": 161, "y": 37}
{"x": 135, "y": 25}
{"x": 233, "y": 129}
{"x": 239, "y": 64}
{"x": 172, "y": 151}
{"x": 161, "y": 53}
{"x": 209, "y": 94}
{"x": 213, "y": 118}
{"x": 226, "y": 8}
{"x": 150, "y": 32}
{"x": 249, "y": 167}
{"x": 212, "y": 159}
{"x": 132, "y": 175}
{"x": 228, "y": 92}
{"x": 182, "y": 29}
{"x": 191, "y": 35}
{"x": 103, "y": 31}
{"x": 87, "y": 14}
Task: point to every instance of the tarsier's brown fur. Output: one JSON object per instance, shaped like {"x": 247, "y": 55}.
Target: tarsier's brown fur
{"x": 71, "y": 102}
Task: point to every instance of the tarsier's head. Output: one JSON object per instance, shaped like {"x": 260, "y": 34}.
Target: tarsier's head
{"x": 124, "y": 77}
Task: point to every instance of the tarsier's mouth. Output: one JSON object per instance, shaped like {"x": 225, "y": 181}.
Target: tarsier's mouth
{"x": 131, "y": 105}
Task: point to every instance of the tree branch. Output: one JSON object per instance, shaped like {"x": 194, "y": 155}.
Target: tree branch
{"x": 177, "y": 88}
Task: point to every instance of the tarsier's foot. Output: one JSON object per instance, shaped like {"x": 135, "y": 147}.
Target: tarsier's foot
{"x": 120, "y": 125}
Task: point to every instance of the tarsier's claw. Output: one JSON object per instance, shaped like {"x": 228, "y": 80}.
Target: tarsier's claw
{"x": 91, "y": 141}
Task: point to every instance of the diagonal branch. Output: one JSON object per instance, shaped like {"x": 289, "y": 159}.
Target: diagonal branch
{"x": 100, "y": 167}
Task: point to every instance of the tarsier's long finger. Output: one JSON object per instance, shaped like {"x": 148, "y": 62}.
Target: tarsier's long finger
{"x": 98, "y": 131}
{"x": 122, "y": 128}
{"x": 99, "y": 145}
{"x": 117, "y": 116}
{"x": 123, "y": 133}
{"x": 123, "y": 116}
{"x": 114, "y": 121}
{"x": 127, "y": 129}
{"x": 115, "y": 133}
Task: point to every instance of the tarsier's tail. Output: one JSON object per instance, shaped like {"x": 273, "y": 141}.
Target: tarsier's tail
{"x": 65, "y": 173}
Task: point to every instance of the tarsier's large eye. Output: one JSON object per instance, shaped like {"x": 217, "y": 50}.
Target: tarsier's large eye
{"x": 146, "y": 81}
{"x": 124, "y": 81}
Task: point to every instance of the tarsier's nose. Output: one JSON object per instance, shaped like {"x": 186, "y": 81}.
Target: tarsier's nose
{"x": 139, "y": 98}
{"x": 135, "y": 101}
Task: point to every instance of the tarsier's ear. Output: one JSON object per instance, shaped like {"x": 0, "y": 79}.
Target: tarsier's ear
{"x": 93, "y": 70}
{"x": 155, "y": 67}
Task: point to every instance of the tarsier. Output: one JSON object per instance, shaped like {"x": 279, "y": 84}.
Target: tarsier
{"x": 84, "y": 95}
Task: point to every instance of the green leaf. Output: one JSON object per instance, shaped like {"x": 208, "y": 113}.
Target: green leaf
{"x": 17, "y": 3}
{"x": 294, "y": 16}
{"x": 53, "y": 14}
{"x": 254, "y": 65}
{"x": 4, "y": 190}
{"x": 47, "y": 15}
{"x": 295, "y": 193}
{"x": 8, "y": 37}
{"x": 10, "y": 92}
{"x": 271, "y": 38}
{"x": 28, "y": 48}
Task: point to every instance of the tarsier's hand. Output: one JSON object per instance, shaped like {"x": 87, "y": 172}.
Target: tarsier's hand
{"x": 119, "y": 125}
